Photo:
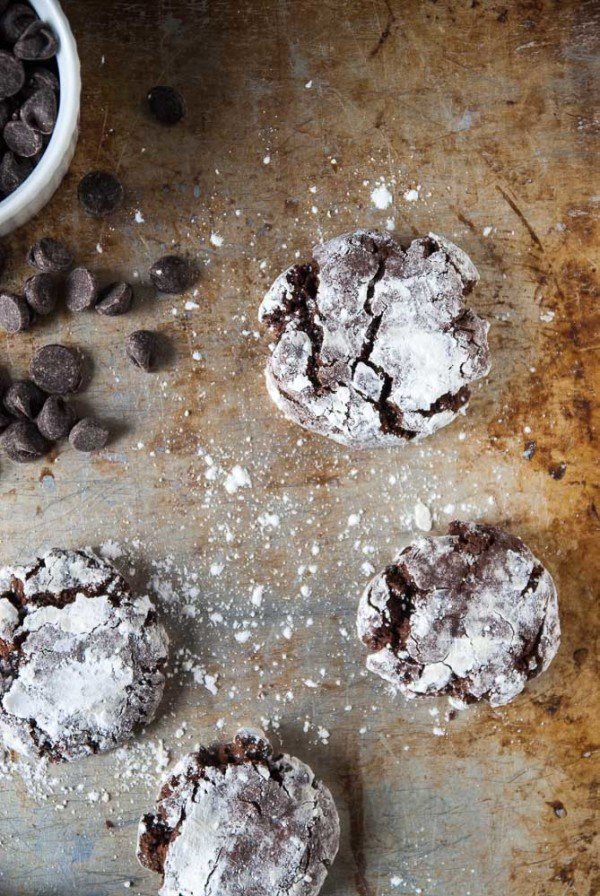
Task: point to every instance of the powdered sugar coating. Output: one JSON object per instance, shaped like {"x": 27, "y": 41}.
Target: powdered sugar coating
{"x": 472, "y": 614}
{"x": 374, "y": 343}
{"x": 241, "y": 824}
{"x": 81, "y": 658}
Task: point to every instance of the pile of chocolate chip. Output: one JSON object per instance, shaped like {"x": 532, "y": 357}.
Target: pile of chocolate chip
{"x": 29, "y": 91}
{"x": 78, "y": 286}
{"x": 56, "y": 276}
{"x": 35, "y": 412}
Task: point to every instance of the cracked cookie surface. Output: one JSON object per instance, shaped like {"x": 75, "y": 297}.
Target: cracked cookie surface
{"x": 472, "y": 614}
{"x": 81, "y": 657}
{"x": 236, "y": 820}
{"x": 374, "y": 345}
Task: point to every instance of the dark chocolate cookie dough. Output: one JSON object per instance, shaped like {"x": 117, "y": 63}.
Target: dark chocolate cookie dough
{"x": 472, "y": 614}
{"x": 81, "y": 657}
{"x": 374, "y": 345}
{"x": 235, "y": 819}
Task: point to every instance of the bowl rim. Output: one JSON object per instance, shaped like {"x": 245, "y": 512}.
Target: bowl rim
{"x": 67, "y": 119}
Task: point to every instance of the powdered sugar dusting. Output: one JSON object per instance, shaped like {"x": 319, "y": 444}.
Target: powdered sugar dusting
{"x": 374, "y": 344}
{"x": 77, "y": 645}
{"x": 271, "y": 811}
{"x": 472, "y": 614}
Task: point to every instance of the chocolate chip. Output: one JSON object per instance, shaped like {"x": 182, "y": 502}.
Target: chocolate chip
{"x": 14, "y": 313}
{"x": 22, "y": 442}
{"x": 37, "y": 43}
{"x": 16, "y": 20}
{"x": 50, "y": 256}
{"x": 42, "y": 77}
{"x": 40, "y": 110}
{"x": 23, "y": 399}
{"x": 88, "y": 435}
{"x": 55, "y": 420}
{"x": 166, "y": 104}
{"x": 115, "y": 299}
{"x": 81, "y": 290}
{"x": 21, "y": 139}
{"x": 13, "y": 171}
{"x": 41, "y": 293}
{"x": 12, "y": 74}
{"x": 172, "y": 274}
{"x": 141, "y": 348}
{"x": 558, "y": 470}
{"x": 100, "y": 193}
{"x": 56, "y": 369}
{"x": 558, "y": 808}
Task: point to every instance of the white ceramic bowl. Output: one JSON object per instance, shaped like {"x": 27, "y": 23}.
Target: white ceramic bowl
{"x": 35, "y": 192}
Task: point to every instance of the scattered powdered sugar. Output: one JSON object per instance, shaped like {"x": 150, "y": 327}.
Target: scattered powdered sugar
{"x": 110, "y": 550}
{"x": 381, "y": 197}
{"x": 423, "y": 517}
{"x": 265, "y": 667}
{"x": 140, "y": 763}
{"x": 209, "y": 681}
{"x": 269, "y": 520}
{"x": 237, "y": 478}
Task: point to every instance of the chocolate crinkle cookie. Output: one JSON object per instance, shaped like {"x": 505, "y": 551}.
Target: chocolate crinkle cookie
{"x": 81, "y": 657}
{"x": 472, "y": 614}
{"x": 235, "y": 819}
{"x": 374, "y": 345}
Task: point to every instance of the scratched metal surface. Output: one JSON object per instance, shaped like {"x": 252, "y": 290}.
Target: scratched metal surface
{"x": 488, "y": 109}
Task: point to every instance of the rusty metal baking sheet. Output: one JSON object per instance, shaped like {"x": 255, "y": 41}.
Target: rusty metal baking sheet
{"x": 478, "y": 119}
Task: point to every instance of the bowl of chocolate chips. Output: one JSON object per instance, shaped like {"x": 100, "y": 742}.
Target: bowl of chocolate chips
{"x": 40, "y": 89}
